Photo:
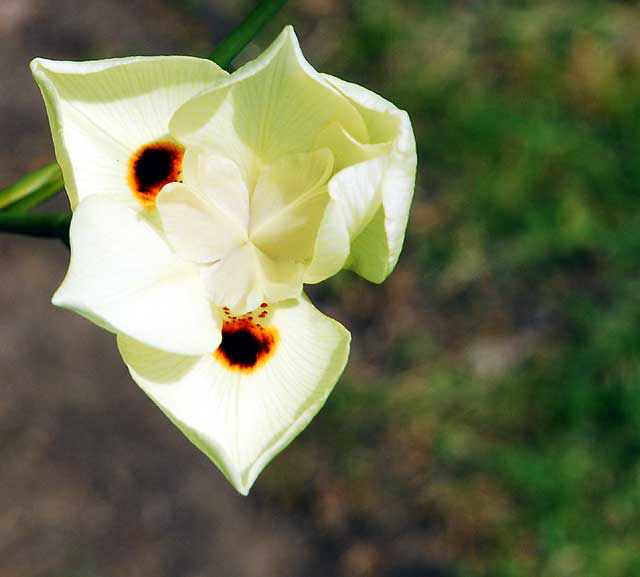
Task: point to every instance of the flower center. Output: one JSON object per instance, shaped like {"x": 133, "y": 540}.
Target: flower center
{"x": 151, "y": 167}
{"x": 246, "y": 345}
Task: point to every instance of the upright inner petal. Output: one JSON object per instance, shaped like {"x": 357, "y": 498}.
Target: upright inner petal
{"x": 151, "y": 167}
{"x": 245, "y": 277}
{"x": 195, "y": 226}
{"x": 288, "y": 203}
{"x": 221, "y": 181}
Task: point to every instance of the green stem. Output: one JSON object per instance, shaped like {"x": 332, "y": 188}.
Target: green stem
{"x": 233, "y": 44}
{"x": 48, "y": 224}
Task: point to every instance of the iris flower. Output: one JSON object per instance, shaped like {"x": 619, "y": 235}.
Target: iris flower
{"x": 203, "y": 202}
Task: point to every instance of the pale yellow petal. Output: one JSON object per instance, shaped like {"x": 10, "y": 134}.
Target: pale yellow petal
{"x": 245, "y": 403}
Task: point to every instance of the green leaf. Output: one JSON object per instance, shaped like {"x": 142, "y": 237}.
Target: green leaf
{"x": 32, "y": 189}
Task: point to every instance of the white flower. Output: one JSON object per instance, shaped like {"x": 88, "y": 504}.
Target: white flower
{"x": 202, "y": 203}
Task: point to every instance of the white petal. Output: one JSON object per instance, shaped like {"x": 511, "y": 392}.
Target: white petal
{"x": 273, "y": 106}
{"x": 101, "y": 112}
{"x": 357, "y": 191}
{"x": 332, "y": 246}
{"x": 375, "y": 252}
{"x": 291, "y": 234}
{"x": 220, "y": 181}
{"x": 286, "y": 180}
{"x": 356, "y": 196}
{"x": 241, "y": 417}
{"x": 246, "y": 277}
{"x": 369, "y": 255}
{"x": 123, "y": 277}
{"x": 196, "y": 228}
{"x": 346, "y": 149}
{"x": 288, "y": 204}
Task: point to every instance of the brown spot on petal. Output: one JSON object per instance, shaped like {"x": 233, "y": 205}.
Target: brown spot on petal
{"x": 151, "y": 167}
{"x": 245, "y": 346}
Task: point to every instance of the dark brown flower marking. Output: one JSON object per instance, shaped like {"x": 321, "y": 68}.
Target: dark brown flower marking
{"x": 151, "y": 167}
{"x": 245, "y": 345}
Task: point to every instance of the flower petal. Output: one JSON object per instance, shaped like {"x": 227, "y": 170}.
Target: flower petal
{"x": 123, "y": 277}
{"x": 220, "y": 181}
{"x": 241, "y": 414}
{"x": 196, "y": 228}
{"x": 288, "y": 179}
{"x": 357, "y": 187}
{"x": 375, "y": 251}
{"x": 272, "y": 106}
{"x": 357, "y": 191}
{"x": 346, "y": 150}
{"x": 246, "y": 276}
{"x": 332, "y": 245}
{"x": 102, "y": 112}
{"x": 288, "y": 204}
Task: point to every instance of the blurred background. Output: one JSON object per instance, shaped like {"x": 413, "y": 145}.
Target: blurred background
{"x": 488, "y": 423}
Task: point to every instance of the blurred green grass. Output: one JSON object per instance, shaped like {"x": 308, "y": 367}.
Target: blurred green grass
{"x": 492, "y": 406}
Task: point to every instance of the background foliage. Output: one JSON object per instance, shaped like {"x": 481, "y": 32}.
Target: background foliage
{"x": 489, "y": 421}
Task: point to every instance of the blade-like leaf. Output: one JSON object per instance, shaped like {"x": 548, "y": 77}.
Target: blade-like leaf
{"x": 52, "y": 224}
{"x": 32, "y": 189}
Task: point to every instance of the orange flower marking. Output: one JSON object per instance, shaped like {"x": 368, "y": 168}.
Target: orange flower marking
{"x": 245, "y": 345}
{"x": 151, "y": 167}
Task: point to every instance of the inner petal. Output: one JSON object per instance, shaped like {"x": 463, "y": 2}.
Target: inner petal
{"x": 247, "y": 341}
{"x": 291, "y": 235}
{"x": 151, "y": 167}
{"x": 246, "y": 276}
{"x": 287, "y": 182}
{"x": 274, "y": 105}
{"x": 196, "y": 228}
{"x": 288, "y": 203}
{"x": 221, "y": 181}
{"x": 347, "y": 151}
